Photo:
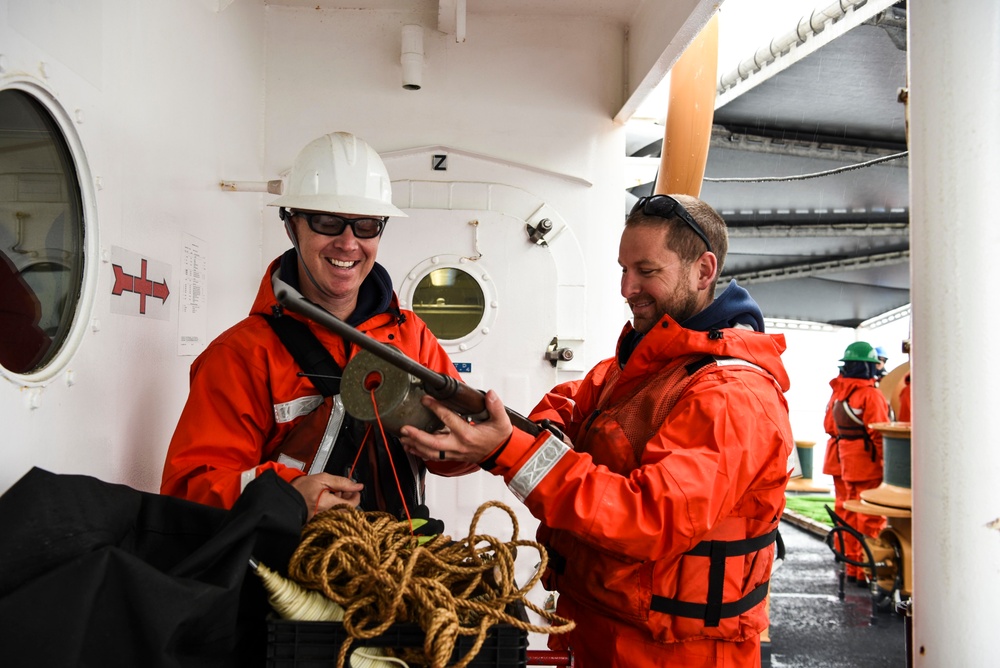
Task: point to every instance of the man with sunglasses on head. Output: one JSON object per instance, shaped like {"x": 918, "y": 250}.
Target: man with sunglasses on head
{"x": 659, "y": 502}
{"x": 264, "y": 395}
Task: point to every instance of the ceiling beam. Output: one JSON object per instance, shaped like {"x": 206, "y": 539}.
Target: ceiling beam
{"x": 736, "y": 140}
{"x": 808, "y": 269}
{"x": 816, "y": 230}
{"x": 656, "y": 36}
{"x": 813, "y": 30}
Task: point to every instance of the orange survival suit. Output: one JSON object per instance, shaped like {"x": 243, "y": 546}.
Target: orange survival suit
{"x": 679, "y": 459}
{"x": 855, "y": 404}
{"x": 905, "y": 401}
{"x": 247, "y": 396}
{"x": 831, "y": 458}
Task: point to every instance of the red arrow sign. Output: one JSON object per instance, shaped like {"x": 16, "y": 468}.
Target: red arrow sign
{"x": 139, "y": 285}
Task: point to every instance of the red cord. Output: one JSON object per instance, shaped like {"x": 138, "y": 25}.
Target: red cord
{"x": 350, "y": 473}
{"x": 399, "y": 487}
{"x": 354, "y": 464}
{"x": 318, "y": 497}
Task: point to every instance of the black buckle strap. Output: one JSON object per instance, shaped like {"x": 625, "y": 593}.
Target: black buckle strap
{"x": 715, "y": 610}
{"x": 699, "y": 364}
{"x": 716, "y": 583}
{"x": 557, "y": 562}
{"x": 734, "y": 548}
{"x": 678, "y": 608}
{"x": 315, "y": 361}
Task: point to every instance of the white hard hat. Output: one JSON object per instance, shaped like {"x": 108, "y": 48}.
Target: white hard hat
{"x": 339, "y": 173}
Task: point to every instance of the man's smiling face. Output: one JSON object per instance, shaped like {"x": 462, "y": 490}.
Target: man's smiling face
{"x": 339, "y": 264}
{"x": 655, "y": 281}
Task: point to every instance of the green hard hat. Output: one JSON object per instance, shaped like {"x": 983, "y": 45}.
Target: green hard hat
{"x": 859, "y": 351}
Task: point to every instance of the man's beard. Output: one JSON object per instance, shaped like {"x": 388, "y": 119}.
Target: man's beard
{"x": 683, "y": 305}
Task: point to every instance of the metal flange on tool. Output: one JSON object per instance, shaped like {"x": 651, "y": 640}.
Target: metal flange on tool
{"x": 397, "y": 394}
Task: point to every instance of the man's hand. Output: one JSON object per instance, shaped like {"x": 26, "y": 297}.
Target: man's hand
{"x": 323, "y": 491}
{"x": 459, "y": 440}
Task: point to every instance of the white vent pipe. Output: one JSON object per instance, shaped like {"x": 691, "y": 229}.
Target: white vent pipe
{"x": 413, "y": 56}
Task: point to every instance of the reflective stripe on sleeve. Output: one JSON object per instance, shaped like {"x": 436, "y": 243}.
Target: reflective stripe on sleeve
{"x": 290, "y": 410}
{"x": 537, "y": 467}
{"x": 330, "y": 435}
{"x": 735, "y": 361}
{"x": 291, "y": 462}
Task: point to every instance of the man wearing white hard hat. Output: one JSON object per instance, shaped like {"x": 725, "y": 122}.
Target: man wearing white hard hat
{"x": 265, "y": 394}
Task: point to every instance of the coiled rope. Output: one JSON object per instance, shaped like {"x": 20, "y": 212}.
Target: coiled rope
{"x": 372, "y": 565}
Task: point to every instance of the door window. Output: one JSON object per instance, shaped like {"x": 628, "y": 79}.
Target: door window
{"x": 450, "y": 301}
{"x": 41, "y": 234}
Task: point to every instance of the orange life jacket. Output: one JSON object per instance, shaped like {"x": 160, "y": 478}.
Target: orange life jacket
{"x": 714, "y": 590}
{"x": 850, "y": 424}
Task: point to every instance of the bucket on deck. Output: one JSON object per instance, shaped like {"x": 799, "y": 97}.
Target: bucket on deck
{"x": 805, "y": 450}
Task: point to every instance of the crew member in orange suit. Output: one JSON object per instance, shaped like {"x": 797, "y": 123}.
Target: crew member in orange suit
{"x": 855, "y": 404}
{"x": 905, "y": 408}
{"x": 831, "y": 458}
{"x": 670, "y": 454}
{"x": 254, "y": 407}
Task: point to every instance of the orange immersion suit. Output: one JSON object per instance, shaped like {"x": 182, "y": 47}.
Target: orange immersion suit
{"x": 831, "y": 458}
{"x": 660, "y": 519}
{"x": 855, "y": 404}
{"x": 905, "y": 401}
{"x": 247, "y": 395}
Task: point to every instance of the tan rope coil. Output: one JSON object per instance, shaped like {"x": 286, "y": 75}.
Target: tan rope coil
{"x": 372, "y": 565}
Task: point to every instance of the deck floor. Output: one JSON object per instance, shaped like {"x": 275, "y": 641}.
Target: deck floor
{"x": 812, "y": 628}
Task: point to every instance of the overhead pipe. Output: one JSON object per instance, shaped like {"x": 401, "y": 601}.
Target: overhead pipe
{"x": 806, "y": 27}
{"x": 688, "y": 130}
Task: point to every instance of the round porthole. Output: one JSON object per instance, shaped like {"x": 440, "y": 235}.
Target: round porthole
{"x": 454, "y": 297}
{"x": 45, "y": 248}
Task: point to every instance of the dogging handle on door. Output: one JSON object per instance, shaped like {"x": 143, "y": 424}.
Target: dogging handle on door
{"x": 554, "y": 354}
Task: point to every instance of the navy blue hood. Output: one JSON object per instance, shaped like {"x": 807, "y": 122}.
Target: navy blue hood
{"x": 733, "y": 307}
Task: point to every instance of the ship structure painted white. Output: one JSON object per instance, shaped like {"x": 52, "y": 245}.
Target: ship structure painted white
{"x": 180, "y": 116}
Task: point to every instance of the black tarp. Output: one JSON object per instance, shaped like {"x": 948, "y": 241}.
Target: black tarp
{"x": 99, "y": 574}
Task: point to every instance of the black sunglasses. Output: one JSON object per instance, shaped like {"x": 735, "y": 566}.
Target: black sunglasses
{"x": 331, "y": 225}
{"x": 665, "y": 206}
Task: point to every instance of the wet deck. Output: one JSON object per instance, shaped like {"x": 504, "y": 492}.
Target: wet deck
{"x": 812, "y": 628}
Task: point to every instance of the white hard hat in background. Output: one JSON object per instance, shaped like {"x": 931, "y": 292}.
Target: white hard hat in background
{"x": 339, "y": 173}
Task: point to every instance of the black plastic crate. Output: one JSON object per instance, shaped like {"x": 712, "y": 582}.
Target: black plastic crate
{"x": 317, "y": 644}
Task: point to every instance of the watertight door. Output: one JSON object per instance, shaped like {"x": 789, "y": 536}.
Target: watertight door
{"x": 487, "y": 292}
{"x": 508, "y": 293}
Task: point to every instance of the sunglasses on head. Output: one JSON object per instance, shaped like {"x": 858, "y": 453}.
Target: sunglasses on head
{"x": 665, "y": 206}
{"x": 331, "y": 225}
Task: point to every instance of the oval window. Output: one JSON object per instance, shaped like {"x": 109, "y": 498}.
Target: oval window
{"x": 450, "y": 301}
{"x": 41, "y": 234}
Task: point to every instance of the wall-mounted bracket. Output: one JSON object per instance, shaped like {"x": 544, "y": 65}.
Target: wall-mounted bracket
{"x": 555, "y": 354}
{"x": 536, "y": 234}
{"x": 275, "y": 187}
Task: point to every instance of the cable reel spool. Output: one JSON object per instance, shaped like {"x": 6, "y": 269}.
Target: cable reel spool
{"x": 397, "y": 395}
